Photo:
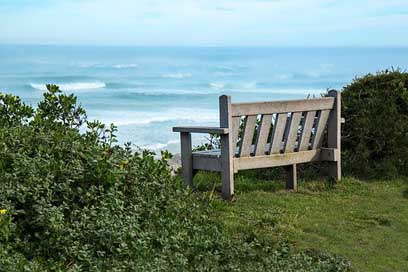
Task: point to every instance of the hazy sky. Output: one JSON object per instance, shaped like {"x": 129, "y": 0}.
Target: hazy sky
{"x": 206, "y": 22}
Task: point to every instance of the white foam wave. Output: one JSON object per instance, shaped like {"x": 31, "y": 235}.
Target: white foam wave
{"x": 173, "y": 142}
{"x": 250, "y": 85}
{"x": 86, "y": 65}
{"x": 177, "y": 75}
{"x": 282, "y": 76}
{"x": 313, "y": 74}
{"x": 125, "y": 66}
{"x": 244, "y": 85}
{"x": 158, "y": 119}
{"x": 153, "y": 146}
{"x": 217, "y": 86}
{"x": 128, "y": 118}
{"x": 75, "y": 86}
{"x": 231, "y": 68}
{"x": 158, "y": 146}
{"x": 102, "y": 65}
{"x": 173, "y": 92}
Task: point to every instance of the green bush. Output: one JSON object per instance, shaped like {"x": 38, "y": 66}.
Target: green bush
{"x": 72, "y": 200}
{"x": 375, "y": 135}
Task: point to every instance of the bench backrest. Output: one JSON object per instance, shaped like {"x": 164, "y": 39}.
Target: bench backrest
{"x": 268, "y": 128}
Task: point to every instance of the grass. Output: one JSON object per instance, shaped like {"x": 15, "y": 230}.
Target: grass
{"x": 365, "y": 222}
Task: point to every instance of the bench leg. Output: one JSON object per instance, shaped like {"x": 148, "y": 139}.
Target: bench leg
{"x": 187, "y": 159}
{"x": 227, "y": 170}
{"x": 335, "y": 170}
{"x": 291, "y": 178}
{"x": 227, "y": 179}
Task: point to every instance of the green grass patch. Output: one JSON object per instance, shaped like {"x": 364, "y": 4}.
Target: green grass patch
{"x": 365, "y": 222}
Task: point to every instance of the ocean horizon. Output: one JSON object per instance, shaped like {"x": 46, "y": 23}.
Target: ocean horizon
{"x": 146, "y": 91}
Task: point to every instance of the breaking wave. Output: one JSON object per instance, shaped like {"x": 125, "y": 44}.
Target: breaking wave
{"x": 177, "y": 75}
{"x": 75, "y": 86}
{"x": 126, "y": 66}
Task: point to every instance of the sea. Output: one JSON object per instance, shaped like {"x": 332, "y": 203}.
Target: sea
{"x": 145, "y": 91}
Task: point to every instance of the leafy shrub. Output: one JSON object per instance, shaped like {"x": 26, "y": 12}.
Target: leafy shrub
{"x": 375, "y": 135}
{"x": 213, "y": 142}
{"x": 72, "y": 201}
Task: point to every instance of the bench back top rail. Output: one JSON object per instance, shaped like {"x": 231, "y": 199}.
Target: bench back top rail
{"x": 270, "y": 128}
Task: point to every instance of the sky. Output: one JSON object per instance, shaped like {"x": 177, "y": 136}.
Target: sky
{"x": 205, "y": 22}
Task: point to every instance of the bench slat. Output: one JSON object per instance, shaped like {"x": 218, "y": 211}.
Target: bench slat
{"x": 249, "y": 130}
{"x": 307, "y": 130}
{"x": 210, "y": 160}
{"x": 266, "y": 161}
{"x": 241, "y": 109}
{"x": 292, "y": 133}
{"x": 207, "y": 163}
{"x": 320, "y": 127}
{"x": 200, "y": 129}
{"x": 236, "y": 122}
{"x": 263, "y": 133}
{"x": 277, "y": 133}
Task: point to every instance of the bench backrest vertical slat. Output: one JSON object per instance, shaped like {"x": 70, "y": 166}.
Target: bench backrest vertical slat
{"x": 307, "y": 131}
{"x": 277, "y": 133}
{"x": 320, "y": 127}
{"x": 291, "y": 136}
{"x": 248, "y": 135}
{"x": 236, "y": 124}
{"x": 263, "y": 133}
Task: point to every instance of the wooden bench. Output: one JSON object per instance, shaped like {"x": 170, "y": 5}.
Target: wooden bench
{"x": 267, "y": 134}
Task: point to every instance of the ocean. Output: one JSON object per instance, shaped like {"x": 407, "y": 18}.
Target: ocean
{"x": 146, "y": 91}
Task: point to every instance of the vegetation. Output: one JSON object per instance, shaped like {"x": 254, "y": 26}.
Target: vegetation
{"x": 72, "y": 200}
{"x": 375, "y": 135}
{"x": 366, "y": 222}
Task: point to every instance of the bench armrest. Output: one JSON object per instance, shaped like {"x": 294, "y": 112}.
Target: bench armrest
{"x": 212, "y": 130}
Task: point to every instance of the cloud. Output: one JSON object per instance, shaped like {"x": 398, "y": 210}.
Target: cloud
{"x": 206, "y": 22}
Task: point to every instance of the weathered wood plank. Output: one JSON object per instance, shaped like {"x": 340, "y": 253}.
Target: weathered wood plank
{"x": 227, "y": 149}
{"x": 186, "y": 158}
{"x": 334, "y": 134}
{"x": 263, "y": 133}
{"x": 208, "y": 153}
{"x": 277, "y": 133}
{"x": 206, "y": 163}
{"x": 276, "y": 159}
{"x": 240, "y": 109}
{"x": 320, "y": 127}
{"x": 215, "y": 130}
{"x": 291, "y": 136}
{"x": 282, "y": 159}
{"x": 248, "y": 135}
{"x": 307, "y": 131}
{"x": 236, "y": 122}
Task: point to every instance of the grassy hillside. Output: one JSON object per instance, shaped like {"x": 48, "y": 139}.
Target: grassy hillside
{"x": 366, "y": 223}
